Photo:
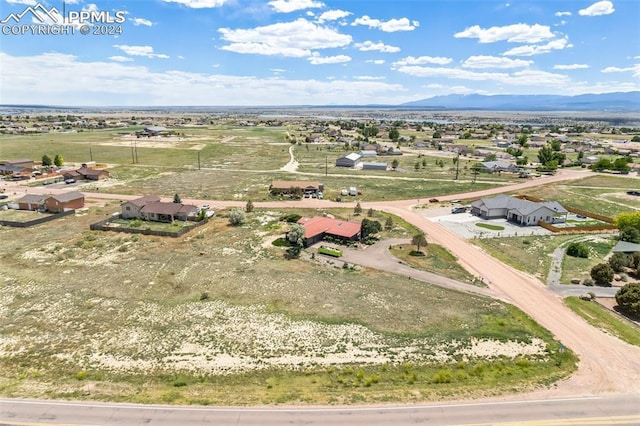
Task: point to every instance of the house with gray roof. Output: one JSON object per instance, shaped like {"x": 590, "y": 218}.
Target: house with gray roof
{"x": 522, "y": 212}
{"x": 499, "y": 166}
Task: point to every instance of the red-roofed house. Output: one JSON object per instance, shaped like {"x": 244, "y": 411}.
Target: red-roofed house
{"x": 316, "y": 228}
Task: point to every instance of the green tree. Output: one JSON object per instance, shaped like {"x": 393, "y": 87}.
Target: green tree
{"x": 578, "y": 250}
{"x": 176, "y": 199}
{"x": 236, "y": 217}
{"x": 395, "y": 163}
{"x": 619, "y": 261}
{"x": 636, "y": 138}
{"x": 419, "y": 240}
{"x": 556, "y": 145}
{"x": 249, "y": 207}
{"x": 545, "y": 154}
{"x": 388, "y": 224}
{"x": 394, "y": 134}
{"x": 602, "y": 274}
{"x": 371, "y": 213}
{"x": 58, "y": 160}
{"x": 627, "y": 220}
{"x": 628, "y": 298}
{"x": 436, "y": 135}
{"x": 357, "y": 210}
{"x": 630, "y": 234}
{"x": 417, "y": 166}
{"x": 46, "y": 161}
{"x": 295, "y": 237}
{"x": 369, "y": 227}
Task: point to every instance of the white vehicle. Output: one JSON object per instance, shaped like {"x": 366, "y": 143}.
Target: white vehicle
{"x": 353, "y": 191}
{"x": 344, "y": 192}
{"x": 205, "y": 207}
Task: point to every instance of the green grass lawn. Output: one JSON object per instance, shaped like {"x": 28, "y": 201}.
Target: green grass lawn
{"x": 577, "y": 267}
{"x": 602, "y": 318}
{"x": 490, "y": 226}
{"x": 528, "y": 254}
{"x": 436, "y": 259}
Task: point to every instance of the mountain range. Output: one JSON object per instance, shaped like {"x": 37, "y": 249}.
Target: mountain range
{"x": 618, "y": 101}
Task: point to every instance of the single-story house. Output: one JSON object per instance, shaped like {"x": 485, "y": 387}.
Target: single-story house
{"x": 374, "y": 166}
{"x": 93, "y": 174}
{"x": 626, "y": 247}
{"x": 349, "y": 160}
{"x": 291, "y": 186}
{"x": 154, "y": 131}
{"x": 58, "y": 203}
{"x": 520, "y": 211}
{"x": 131, "y": 209}
{"x": 499, "y": 166}
{"x": 318, "y": 227}
{"x": 23, "y": 162}
{"x": 19, "y": 172}
{"x": 33, "y": 202}
{"x": 160, "y": 211}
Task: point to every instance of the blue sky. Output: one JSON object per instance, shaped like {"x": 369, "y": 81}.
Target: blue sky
{"x": 312, "y": 52}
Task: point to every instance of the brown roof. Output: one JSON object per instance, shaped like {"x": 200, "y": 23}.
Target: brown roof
{"x": 286, "y": 184}
{"x": 161, "y": 207}
{"x": 67, "y": 196}
{"x": 32, "y": 199}
{"x": 139, "y": 202}
{"x": 318, "y": 225}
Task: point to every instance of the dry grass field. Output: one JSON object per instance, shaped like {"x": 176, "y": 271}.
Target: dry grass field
{"x": 97, "y": 315}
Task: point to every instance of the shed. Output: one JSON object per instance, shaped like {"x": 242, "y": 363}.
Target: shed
{"x": 58, "y": 203}
{"x": 374, "y": 166}
{"x": 350, "y": 160}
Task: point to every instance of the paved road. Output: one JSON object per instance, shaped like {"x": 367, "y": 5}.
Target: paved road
{"x": 596, "y": 410}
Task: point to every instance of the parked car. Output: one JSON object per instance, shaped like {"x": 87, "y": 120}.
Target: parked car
{"x": 434, "y": 200}
{"x": 458, "y": 210}
{"x": 636, "y": 193}
{"x": 205, "y": 207}
{"x": 3, "y": 196}
{"x": 581, "y": 216}
{"x": 69, "y": 181}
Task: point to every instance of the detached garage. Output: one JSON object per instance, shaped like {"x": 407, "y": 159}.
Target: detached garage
{"x": 350, "y": 160}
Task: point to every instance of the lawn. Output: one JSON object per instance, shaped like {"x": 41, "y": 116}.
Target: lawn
{"x": 529, "y": 254}
{"x": 580, "y": 268}
{"x": 436, "y": 259}
{"x": 219, "y": 316}
{"x": 602, "y": 318}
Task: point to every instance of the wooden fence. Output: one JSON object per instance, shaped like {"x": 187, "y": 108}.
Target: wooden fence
{"x": 103, "y": 226}
{"x": 38, "y": 221}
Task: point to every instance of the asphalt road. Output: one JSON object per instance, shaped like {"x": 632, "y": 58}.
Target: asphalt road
{"x": 595, "y": 410}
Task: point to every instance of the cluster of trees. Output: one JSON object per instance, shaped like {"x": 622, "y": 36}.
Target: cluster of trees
{"x": 550, "y": 156}
{"x": 58, "y": 161}
{"x": 619, "y": 164}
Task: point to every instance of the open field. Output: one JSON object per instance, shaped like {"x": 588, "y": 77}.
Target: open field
{"x": 218, "y": 316}
{"x": 580, "y": 268}
{"x": 435, "y": 259}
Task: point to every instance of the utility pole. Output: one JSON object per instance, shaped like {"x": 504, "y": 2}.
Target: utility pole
{"x": 90, "y": 154}
{"x": 326, "y": 165}
{"x": 457, "y": 165}
{"x": 133, "y": 155}
{"x": 198, "y": 160}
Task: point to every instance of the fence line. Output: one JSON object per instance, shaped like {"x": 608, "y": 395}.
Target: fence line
{"x": 102, "y": 226}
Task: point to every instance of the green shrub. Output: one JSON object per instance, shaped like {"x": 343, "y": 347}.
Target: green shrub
{"x": 291, "y": 217}
{"x": 578, "y": 250}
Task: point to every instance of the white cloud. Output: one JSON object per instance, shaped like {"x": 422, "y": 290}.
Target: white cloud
{"x": 563, "y": 14}
{"x": 375, "y": 61}
{"x": 516, "y": 33}
{"x": 530, "y": 50}
{"x": 26, "y": 2}
{"x": 519, "y": 78}
{"x": 571, "y": 67}
{"x": 198, "y": 4}
{"x": 494, "y": 62}
{"x": 422, "y": 60}
{"x": 316, "y": 59}
{"x": 368, "y": 77}
{"x": 141, "y": 21}
{"x": 146, "y": 51}
{"x": 44, "y": 79}
{"x": 634, "y": 70}
{"x": 333, "y": 15}
{"x": 597, "y": 9}
{"x": 380, "y": 47}
{"x": 292, "y": 39}
{"x": 287, "y": 6}
{"x": 390, "y": 26}
{"x": 119, "y": 58}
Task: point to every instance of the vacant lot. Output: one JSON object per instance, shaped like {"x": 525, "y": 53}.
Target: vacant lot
{"x": 218, "y": 316}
